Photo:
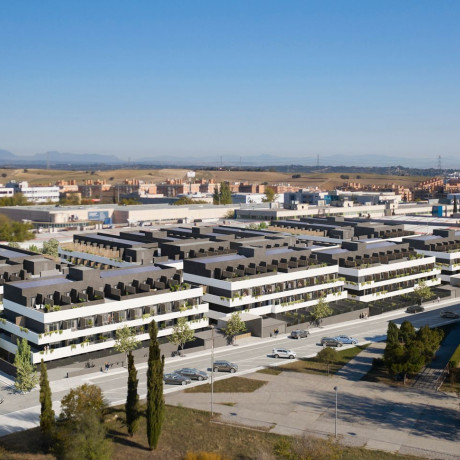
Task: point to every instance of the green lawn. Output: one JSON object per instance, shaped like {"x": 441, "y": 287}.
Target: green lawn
{"x": 270, "y": 371}
{"x": 188, "y": 430}
{"x": 230, "y": 385}
{"x": 313, "y": 366}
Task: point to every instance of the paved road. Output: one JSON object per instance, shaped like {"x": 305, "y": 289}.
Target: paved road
{"x": 21, "y": 411}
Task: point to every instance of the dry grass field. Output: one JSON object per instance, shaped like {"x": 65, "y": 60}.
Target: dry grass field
{"x": 322, "y": 180}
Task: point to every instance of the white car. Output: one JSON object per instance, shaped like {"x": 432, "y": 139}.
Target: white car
{"x": 283, "y": 353}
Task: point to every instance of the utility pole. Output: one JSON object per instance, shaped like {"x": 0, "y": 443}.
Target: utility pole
{"x": 336, "y": 392}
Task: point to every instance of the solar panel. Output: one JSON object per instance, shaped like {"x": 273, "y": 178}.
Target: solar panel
{"x": 129, "y": 271}
{"x": 278, "y": 251}
{"x": 334, "y": 251}
{"x": 381, "y": 244}
{"x": 113, "y": 239}
{"x": 40, "y": 282}
{"x": 11, "y": 254}
{"x": 205, "y": 260}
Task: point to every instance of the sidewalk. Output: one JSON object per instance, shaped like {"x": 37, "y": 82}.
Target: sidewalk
{"x": 361, "y": 364}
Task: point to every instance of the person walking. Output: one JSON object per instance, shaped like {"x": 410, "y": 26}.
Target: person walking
{"x": 106, "y": 367}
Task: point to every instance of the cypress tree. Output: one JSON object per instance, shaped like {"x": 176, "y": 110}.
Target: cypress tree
{"x": 132, "y": 400}
{"x": 455, "y": 205}
{"x": 155, "y": 401}
{"x": 47, "y": 412}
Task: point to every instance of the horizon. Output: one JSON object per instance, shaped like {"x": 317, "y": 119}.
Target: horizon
{"x": 162, "y": 80}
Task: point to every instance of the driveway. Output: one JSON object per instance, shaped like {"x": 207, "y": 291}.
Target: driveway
{"x": 372, "y": 415}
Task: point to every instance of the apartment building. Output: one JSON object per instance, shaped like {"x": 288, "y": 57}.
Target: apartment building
{"x": 444, "y": 245}
{"x": 376, "y": 270}
{"x": 36, "y": 194}
{"x": 78, "y": 311}
{"x": 264, "y": 279}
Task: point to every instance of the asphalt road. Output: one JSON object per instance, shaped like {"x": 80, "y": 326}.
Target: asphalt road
{"x": 22, "y": 411}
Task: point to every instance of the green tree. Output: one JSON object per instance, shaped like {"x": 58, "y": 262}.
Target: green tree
{"x": 18, "y": 199}
{"x": 183, "y": 200}
{"x": 13, "y": 244}
{"x": 15, "y": 231}
{"x": 223, "y": 195}
{"x": 235, "y": 325}
{"x": 126, "y": 340}
{"x": 407, "y": 332}
{"x": 423, "y": 292}
{"x": 320, "y": 310}
{"x": 132, "y": 399}
{"x": 34, "y": 248}
{"x": 51, "y": 247}
{"x": 155, "y": 400}
{"x": 270, "y": 195}
{"x": 392, "y": 334}
{"x": 46, "y": 409}
{"x": 26, "y": 377}
{"x": 455, "y": 205}
{"x": 430, "y": 340}
{"x": 182, "y": 333}
{"x": 327, "y": 356}
{"x": 81, "y": 435}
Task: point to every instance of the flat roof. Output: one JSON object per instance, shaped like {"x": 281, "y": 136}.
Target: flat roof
{"x": 225, "y": 258}
{"x": 112, "y": 239}
{"x": 40, "y": 282}
{"x": 11, "y": 253}
{"x": 128, "y": 271}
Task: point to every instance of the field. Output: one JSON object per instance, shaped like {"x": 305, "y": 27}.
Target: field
{"x": 322, "y": 180}
{"x": 188, "y": 430}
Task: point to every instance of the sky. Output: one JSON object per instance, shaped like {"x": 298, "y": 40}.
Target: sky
{"x": 152, "y": 79}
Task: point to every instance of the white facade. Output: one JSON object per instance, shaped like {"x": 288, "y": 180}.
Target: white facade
{"x": 36, "y": 194}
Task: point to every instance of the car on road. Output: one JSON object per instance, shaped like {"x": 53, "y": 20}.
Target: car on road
{"x": 192, "y": 373}
{"x": 415, "y": 309}
{"x": 299, "y": 334}
{"x": 176, "y": 379}
{"x": 283, "y": 353}
{"x": 449, "y": 314}
{"x": 346, "y": 339}
{"x": 225, "y": 366}
{"x": 331, "y": 342}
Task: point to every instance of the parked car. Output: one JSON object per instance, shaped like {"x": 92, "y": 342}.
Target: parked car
{"x": 415, "y": 309}
{"x": 283, "y": 353}
{"x": 449, "y": 314}
{"x": 346, "y": 339}
{"x": 225, "y": 366}
{"x": 176, "y": 379}
{"x": 192, "y": 373}
{"x": 299, "y": 334}
{"x": 331, "y": 342}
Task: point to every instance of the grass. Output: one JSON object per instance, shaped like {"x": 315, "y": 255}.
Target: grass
{"x": 229, "y": 404}
{"x": 230, "y": 385}
{"x": 381, "y": 375}
{"x": 270, "y": 371}
{"x": 189, "y": 430}
{"x": 314, "y": 366}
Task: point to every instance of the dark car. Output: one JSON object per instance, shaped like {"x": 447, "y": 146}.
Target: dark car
{"x": 175, "y": 379}
{"x": 192, "y": 373}
{"x": 415, "y": 309}
{"x": 449, "y": 314}
{"x": 299, "y": 334}
{"x": 331, "y": 342}
{"x": 225, "y": 366}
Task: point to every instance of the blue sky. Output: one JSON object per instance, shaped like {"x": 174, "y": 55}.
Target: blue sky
{"x": 296, "y": 78}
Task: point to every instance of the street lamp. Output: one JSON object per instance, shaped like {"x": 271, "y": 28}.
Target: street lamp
{"x": 336, "y": 389}
{"x": 212, "y": 369}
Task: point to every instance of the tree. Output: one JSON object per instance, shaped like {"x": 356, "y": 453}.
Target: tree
{"x": 327, "y": 356}
{"x": 430, "y": 340}
{"x": 407, "y": 332}
{"x": 132, "y": 399}
{"x": 423, "y": 292}
{"x": 320, "y": 310}
{"x": 126, "y": 340}
{"x": 81, "y": 435}
{"x": 181, "y": 333}
{"x": 155, "y": 400}
{"x": 46, "y": 403}
{"x": 270, "y": 195}
{"x": 51, "y": 247}
{"x": 26, "y": 377}
{"x": 15, "y": 231}
{"x": 392, "y": 334}
{"x": 235, "y": 325}
{"x": 18, "y": 199}
{"x": 222, "y": 195}
{"x": 455, "y": 205}
{"x": 186, "y": 200}
{"x": 34, "y": 248}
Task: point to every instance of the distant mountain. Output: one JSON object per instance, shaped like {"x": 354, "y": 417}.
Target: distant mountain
{"x": 38, "y": 159}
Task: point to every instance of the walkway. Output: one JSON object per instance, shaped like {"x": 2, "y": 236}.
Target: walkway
{"x": 361, "y": 364}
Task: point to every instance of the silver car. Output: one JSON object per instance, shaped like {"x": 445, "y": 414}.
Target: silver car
{"x": 283, "y": 353}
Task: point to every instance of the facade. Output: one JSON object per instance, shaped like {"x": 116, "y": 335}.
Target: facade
{"x": 36, "y": 194}
{"x": 376, "y": 270}
{"x": 264, "y": 280}
{"x": 79, "y": 311}
{"x": 444, "y": 245}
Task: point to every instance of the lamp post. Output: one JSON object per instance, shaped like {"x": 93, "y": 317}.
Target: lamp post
{"x": 212, "y": 369}
{"x": 336, "y": 389}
